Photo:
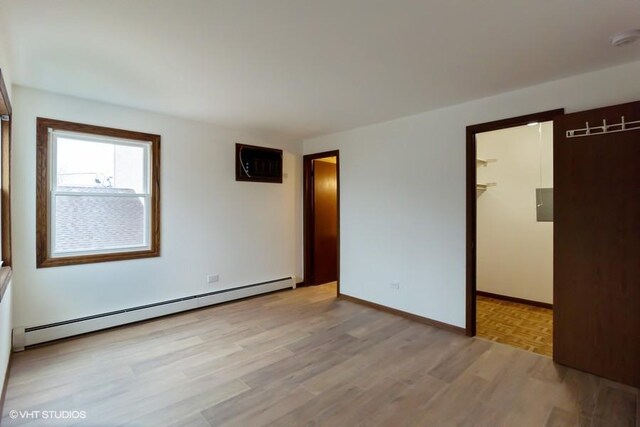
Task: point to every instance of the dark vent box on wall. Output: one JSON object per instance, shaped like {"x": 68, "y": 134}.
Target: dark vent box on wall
{"x": 258, "y": 164}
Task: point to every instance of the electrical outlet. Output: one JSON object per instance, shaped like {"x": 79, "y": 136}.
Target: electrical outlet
{"x": 212, "y": 278}
{"x": 395, "y": 285}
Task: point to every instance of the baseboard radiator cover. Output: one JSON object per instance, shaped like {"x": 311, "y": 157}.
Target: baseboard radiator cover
{"x": 25, "y": 337}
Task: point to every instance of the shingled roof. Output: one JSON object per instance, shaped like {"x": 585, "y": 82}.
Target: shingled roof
{"x": 97, "y": 222}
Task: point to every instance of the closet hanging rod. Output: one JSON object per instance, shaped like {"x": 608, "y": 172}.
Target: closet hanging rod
{"x": 605, "y": 128}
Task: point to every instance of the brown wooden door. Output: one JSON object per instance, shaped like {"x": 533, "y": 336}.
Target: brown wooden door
{"x": 325, "y": 222}
{"x": 597, "y": 245}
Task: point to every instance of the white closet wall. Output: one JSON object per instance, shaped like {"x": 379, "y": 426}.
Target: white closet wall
{"x": 515, "y": 251}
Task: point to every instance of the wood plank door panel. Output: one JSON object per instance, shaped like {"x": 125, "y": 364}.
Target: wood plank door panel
{"x": 325, "y": 222}
{"x": 597, "y": 245}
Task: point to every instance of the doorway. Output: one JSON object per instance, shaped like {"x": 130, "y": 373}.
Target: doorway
{"x": 322, "y": 219}
{"x": 511, "y": 151}
{"x": 514, "y": 238}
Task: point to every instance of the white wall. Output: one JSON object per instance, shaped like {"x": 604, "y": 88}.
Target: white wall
{"x": 514, "y": 250}
{"x": 245, "y": 232}
{"x": 402, "y": 194}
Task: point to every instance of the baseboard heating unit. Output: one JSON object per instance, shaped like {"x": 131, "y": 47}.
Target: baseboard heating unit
{"x": 24, "y": 337}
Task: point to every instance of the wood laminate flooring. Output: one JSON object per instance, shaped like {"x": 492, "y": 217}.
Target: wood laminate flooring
{"x": 298, "y": 358}
{"x": 520, "y": 325}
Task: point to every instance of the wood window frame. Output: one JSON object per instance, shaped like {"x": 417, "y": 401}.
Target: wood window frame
{"x": 5, "y": 136}
{"x": 43, "y": 231}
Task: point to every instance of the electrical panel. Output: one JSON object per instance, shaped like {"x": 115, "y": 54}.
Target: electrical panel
{"x": 544, "y": 204}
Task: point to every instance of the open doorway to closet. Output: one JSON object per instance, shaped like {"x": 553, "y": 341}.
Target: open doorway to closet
{"x": 322, "y": 219}
{"x": 510, "y": 231}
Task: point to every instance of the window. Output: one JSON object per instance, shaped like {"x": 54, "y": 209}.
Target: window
{"x": 98, "y": 194}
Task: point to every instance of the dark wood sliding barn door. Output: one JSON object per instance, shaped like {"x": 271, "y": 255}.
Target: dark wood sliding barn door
{"x": 597, "y": 242}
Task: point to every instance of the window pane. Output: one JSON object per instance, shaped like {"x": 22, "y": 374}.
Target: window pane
{"x": 129, "y": 168}
{"x": 89, "y": 223}
{"x": 85, "y": 164}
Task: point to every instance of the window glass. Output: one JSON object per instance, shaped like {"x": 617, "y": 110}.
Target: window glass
{"x": 99, "y": 195}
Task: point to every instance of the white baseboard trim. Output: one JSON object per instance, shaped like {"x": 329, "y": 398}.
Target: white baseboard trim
{"x": 24, "y": 337}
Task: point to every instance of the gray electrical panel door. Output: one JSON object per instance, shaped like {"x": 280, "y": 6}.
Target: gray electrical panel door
{"x": 544, "y": 204}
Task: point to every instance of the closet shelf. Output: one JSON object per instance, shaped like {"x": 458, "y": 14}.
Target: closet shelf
{"x": 484, "y": 162}
{"x": 483, "y": 187}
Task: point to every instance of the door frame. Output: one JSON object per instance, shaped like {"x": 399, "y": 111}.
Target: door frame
{"x": 543, "y": 116}
{"x": 309, "y": 212}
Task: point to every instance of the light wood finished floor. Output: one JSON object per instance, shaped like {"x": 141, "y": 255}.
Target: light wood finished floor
{"x": 304, "y": 358}
{"x": 520, "y": 325}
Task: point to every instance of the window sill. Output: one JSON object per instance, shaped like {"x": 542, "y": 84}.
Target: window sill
{"x": 5, "y": 279}
{"x": 90, "y": 259}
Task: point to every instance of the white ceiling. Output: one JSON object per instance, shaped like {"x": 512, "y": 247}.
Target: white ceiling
{"x": 297, "y": 68}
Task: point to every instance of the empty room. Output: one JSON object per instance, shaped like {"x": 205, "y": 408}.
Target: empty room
{"x": 322, "y": 213}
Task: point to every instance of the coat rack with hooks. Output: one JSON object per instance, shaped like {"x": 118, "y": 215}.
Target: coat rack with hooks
{"x": 605, "y": 128}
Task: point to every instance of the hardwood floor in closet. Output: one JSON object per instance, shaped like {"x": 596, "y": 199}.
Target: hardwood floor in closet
{"x": 520, "y": 325}
{"x": 299, "y": 358}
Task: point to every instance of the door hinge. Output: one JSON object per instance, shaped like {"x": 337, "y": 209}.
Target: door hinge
{"x": 4, "y": 117}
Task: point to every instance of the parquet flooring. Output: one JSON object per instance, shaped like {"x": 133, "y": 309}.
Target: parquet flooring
{"x": 298, "y": 358}
{"x": 520, "y": 325}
